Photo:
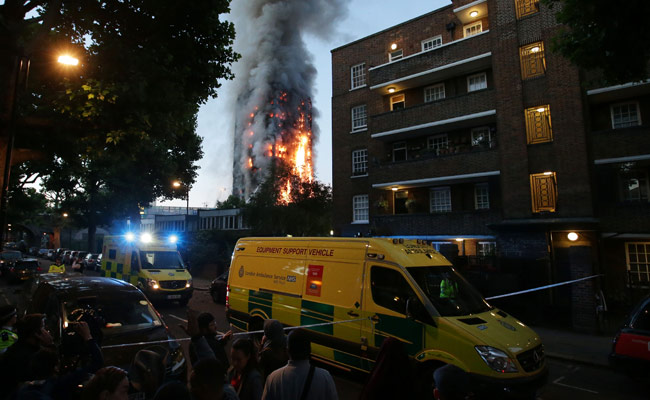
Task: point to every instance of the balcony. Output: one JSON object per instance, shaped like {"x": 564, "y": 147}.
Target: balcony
{"x": 459, "y": 57}
{"x": 453, "y": 223}
{"x": 614, "y": 144}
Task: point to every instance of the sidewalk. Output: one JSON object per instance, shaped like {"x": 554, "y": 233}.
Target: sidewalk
{"x": 201, "y": 283}
{"x": 576, "y": 347}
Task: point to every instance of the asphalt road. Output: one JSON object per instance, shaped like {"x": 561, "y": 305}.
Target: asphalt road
{"x": 566, "y": 380}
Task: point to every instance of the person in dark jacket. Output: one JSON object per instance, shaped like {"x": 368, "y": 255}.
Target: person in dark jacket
{"x": 392, "y": 375}
{"x": 109, "y": 383}
{"x": 274, "y": 353}
{"x": 244, "y": 376}
{"x": 207, "y": 326}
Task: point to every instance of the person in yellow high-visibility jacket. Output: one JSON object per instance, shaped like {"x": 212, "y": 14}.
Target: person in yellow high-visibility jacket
{"x": 57, "y": 267}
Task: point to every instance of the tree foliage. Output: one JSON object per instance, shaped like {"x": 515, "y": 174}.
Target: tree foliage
{"x": 307, "y": 213}
{"x": 606, "y": 36}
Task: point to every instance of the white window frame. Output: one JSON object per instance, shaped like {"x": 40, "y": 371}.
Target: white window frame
{"x": 469, "y": 27}
{"x": 395, "y": 55}
{"x": 644, "y": 186}
{"x": 482, "y": 196}
{"x": 432, "y": 145}
{"x": 402, "y": 146}
{"x": 436, "y": 42}
{"x": 360, "y": 162}
{"x": 481, "y": 129}
{"x": 430, "y": 92}
{"x": 626, "y": 124}
{"x": 640, "y": 259}
{"x": 360, "y": 77}
{"x": 360, "y": 118}
{"x": 481, "y": 247}
{"x": 360, "y": 209}
{"x": 393, "y": 100}
{"x": 469, "y": 85}
{"x": 440, "y": 207}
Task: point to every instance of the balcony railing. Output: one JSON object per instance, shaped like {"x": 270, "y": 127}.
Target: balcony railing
{"x": 452, "y": 223}
{"x": 459, "y": 146}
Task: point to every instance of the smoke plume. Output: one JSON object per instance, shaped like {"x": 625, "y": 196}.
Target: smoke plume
{"x": 274, "y": 82}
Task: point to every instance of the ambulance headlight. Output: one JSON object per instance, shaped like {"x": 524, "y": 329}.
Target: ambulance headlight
{"x": 152, "y": 283}
{"x": 496, "y": 359}
{"x": 173, "y": 239}
{"x": 189, "y": 283}
{"x": 129, "y": 236}
{"x": 146, "y": 238}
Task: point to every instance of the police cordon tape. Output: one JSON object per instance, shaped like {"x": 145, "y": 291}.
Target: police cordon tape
{"x": 542, "y": 287}
{"x": 288, "y": 328}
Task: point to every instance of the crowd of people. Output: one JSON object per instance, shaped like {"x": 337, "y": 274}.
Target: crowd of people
{"x": 269, "y": 366}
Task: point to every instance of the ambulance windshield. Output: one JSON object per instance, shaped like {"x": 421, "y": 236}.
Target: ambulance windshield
{"x": 449, "y": 292}
{"x": 161, "y": 260}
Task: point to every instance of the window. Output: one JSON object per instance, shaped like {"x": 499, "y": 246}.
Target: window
{"x": 637, "y": 255}
{"x": 399, "y": 151}
{"x": 360, "y": 162}
{"x": 395, "y": 55}
{"x": 625, "y": 115}
{"x": 431, "y": 43}
{"x": 484, "y": 249}
{"x": 482, "y": 137}
{"x": 526, "y": 7}
{"x": 359, "y": 118}
{"x": 481, "y": 196}
{"x": 438, "y": 142}
{"x": 360, "y": 208}
{"x": 532, "y": 60}
{"x": 476, "y": 82}
{"x": 435, "y": 92}
{"x": 112, "y": 254}
{"x": 538, "y": 124}
{"x": 634, "y": 186}
{"x": 389, "y": 289}
{"x": 473, "y": 29}
{"x": 397, "y": 102}
{"x": 440, "y": 200}
{"x": 358, "y": 76}
{"x": 543, "y": 192}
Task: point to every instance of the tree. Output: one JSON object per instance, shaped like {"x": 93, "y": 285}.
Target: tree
{"x": 232, "y": 201}
{"x": 307, "y": 213}
{"x": 605, "y": 36}
{"x": 123, "y": 126}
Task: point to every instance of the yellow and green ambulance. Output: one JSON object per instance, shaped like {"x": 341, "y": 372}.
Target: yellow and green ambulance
{"x": 153, "y": 264}
{"x": 382, "y": 288}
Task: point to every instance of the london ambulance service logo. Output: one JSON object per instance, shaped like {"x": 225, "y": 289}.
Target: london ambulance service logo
{"x": 241, "y": 271}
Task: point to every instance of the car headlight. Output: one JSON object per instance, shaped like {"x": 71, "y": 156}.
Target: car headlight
{"x": 152, "y": 283}
{"x": 189, "y": 283}
{"x": 496, "y": 359}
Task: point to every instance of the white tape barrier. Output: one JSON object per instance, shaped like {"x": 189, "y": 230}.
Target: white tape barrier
{"x": 288, "y": 328}
{"x": 542, "y": 287}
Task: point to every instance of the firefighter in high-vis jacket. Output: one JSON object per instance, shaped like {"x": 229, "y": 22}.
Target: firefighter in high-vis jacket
{"x": 8, "y": 316}
{"x": 57, "y": 267}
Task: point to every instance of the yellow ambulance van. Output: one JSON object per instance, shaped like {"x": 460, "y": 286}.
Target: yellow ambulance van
{"x": 382, "y": 288}
{"x": 150, "y": 263}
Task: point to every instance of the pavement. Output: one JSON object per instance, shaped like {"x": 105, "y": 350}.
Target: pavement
{"x": 576, "y": 347}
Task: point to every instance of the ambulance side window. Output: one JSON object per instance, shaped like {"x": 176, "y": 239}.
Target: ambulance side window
{"x": 390, "y": 289}
{"x": 135, "y": 261}
{"x": 112, "y": 254}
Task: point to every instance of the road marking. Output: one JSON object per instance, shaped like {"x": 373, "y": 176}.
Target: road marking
{"x": 557, "y": 382}
{"x": 178, "y": 318}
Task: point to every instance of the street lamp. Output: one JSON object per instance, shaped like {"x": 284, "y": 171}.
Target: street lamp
{"x": 22, "y": 74}
{"x": 66, "y": 215}
{"x": 177, "y": 184}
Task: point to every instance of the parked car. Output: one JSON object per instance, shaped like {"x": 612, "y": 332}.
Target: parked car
{"x": 42, "y": 253}
{"x": 8, "y": 258}
{"x": 59, "y": 253}
{"x": 33, "y": 251}
{"x": 22, "y": 270}
{"x": 631, "y": 347}
{"x": 90, "y": 261}
{"x": 218, "y": 288}
{"x": 117, "y": 313}
{"x": 51, "y": 255}
{"x": 65, "y": 256}
{"x": 72, "y": 257}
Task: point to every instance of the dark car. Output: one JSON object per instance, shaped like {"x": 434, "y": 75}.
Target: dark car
{"x": 218, "y": 288}
{"x": 8, "y": 258}
{"x": 631, "y": 349}
{"x": 90, "y": 261}
{"x": 117, "y": 313}
{"x": 22, "y": 270}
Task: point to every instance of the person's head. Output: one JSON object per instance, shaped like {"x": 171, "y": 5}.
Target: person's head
{"x": 147, "y": 371}
{"x": 207, "y": 324}
{"x": 109, "y": 383}
{"x": 59, "y": 261}
{"x": 243, "y": 355}
{"x": 32, "y": 329}
{"x": 274, "y": 333}
{"x": 206, "y": 379}
{"x": 452, "y": 383}
{"x": 174, "y": 390}
{"x": 299, "y": 345}
{"x": 8, "y": 315}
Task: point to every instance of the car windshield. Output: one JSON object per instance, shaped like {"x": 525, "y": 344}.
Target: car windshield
{"x": 449, "y": 292}
{"x": 115, "y": 314}
{"x": 11, "y": 255}
{"x": 161, "y": 260}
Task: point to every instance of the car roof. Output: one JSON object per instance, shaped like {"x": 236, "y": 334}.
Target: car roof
{"x": 75, "y": 285}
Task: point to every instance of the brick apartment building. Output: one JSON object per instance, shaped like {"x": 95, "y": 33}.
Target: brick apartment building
{"x": 461, "y": 127}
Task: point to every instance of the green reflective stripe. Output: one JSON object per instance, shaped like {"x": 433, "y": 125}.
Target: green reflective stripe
{"x": 407, "y": 330}
{"x": 109, "y": 265}
{"x": 120, "y": 268}
{"x": 353, "y": 361}
{"x": 316, "y": 313}
{"x": 262, "y": 301}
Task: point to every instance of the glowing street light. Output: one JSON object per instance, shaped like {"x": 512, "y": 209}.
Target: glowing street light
{"x": 177, "y": 184}
{"x": 66, "y": 59}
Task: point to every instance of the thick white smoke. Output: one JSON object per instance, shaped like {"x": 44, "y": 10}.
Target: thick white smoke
{"x": 274, "y": 61}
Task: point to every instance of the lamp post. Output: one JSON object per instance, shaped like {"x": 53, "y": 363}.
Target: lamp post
{"x": 178, "y": 184}
{"x": 66, "y": 215}
{"x": 22, "y": 74}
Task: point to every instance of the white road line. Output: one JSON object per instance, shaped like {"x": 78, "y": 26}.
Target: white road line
{"x": 178, "y": 318}
{"x": 557, "y": 382}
